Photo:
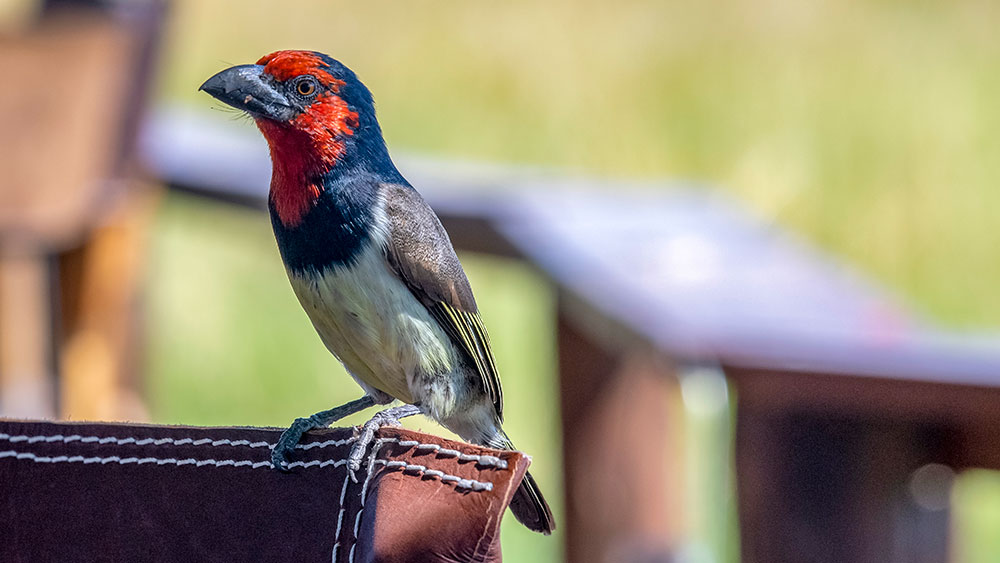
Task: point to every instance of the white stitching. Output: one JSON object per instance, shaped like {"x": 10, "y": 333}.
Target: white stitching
{"x": 162, "y": 441}
{"x": 340, "y": 515}
{"x": 357, "y": 522}
{"x": 325, "y": 444}
{"x": 130, "y": 440}
{"x": 343, "y": 509}
{"x": 130, "y": 460}
{"x": 316, "y": 463}
{"x": 485, "y": 460}
{"x": 458, "y": 481}
{"x": 364, "y": 491}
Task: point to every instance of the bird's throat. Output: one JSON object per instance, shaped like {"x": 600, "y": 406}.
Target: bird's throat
{"x": 297, "y": 167}
{"x": 303, "y": 150}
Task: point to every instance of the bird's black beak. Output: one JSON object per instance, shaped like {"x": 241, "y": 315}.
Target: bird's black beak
{"x": 245, "y": 87}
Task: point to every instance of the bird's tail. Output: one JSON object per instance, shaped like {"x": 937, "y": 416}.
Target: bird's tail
{"x": 530, "y": 508}
{"x": 528, "y": 504}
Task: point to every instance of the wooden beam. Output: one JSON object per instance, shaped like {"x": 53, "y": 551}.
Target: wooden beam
{"x": 622, "y": 454}
{"x": 26, "y": 370}
{"x": 828, "y": 483}
{"x": 101, "y": 329}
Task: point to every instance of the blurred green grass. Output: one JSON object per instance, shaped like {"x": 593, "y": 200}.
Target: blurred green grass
{"x": 977, "y": 497}
{"x": 868, "y": 126}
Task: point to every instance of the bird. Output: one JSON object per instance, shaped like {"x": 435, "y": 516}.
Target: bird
{"x": 369, "y": 261}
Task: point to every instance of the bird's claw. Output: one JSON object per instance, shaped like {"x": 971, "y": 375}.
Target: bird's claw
{"x": 388, "y": 417}
{"x": 289, "y": 439}
{"x": 380, "y": 420}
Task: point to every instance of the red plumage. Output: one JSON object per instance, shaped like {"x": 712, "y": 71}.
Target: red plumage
{"x": 308, "y": 145}
{"x": 284, "y": 65}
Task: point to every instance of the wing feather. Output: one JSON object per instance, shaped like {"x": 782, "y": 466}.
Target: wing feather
{"x": 420, "y": 252}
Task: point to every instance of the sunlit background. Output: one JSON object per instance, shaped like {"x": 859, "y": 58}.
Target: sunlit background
{"x": 868, "y": 128}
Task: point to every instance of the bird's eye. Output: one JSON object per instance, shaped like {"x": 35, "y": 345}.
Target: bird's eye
{"x": 306, "y": 87}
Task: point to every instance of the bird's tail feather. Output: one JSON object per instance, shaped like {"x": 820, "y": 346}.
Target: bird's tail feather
{"x": 530, "y": 508}
{"x": 528, "y": 504}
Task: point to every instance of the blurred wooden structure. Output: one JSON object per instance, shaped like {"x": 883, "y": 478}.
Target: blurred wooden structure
{"x": 851, "y": 412}
{"x": 73, "y": 213}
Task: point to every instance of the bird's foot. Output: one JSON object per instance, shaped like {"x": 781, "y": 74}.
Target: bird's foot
{"x": 388, "y": 417}
{"x": 290, "y": 438}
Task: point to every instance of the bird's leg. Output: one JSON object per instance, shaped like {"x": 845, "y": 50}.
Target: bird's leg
{"x": 290, "y": 438}
{"x": 388, "y": 417}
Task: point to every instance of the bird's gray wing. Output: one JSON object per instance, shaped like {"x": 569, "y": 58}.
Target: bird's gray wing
{"x": 420, "y": 252}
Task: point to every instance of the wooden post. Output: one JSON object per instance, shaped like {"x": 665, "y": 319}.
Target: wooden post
{"x": 26, "y": 370}
{"x": 823, "y": 482}
{"x": 75, "y": 218}
{"x": 622, "y": 462}
{"x": 100, "y": 288}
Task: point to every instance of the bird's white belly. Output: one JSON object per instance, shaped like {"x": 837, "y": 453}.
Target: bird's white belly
{"x": 372, "y": 322}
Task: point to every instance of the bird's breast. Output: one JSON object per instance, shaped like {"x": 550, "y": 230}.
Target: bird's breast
{"x": 334, "y": 223}
{"x": 371, "y": 321}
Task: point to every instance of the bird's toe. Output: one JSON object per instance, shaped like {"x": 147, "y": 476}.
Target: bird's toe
{"x": 289, "y": 439}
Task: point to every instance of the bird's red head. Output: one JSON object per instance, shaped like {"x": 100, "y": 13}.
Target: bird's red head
{"x": 323, "y": 118}
{"x": 309, "y": 107}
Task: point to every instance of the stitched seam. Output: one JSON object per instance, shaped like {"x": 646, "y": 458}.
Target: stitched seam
{"x": 484, "y": 460}
{"x": 423, "y": 470}
{"x": 161, "y": 441}
{"x": 364, "y": 491}
{"x": 340, "y": 516}
{"x": 86, "y": 460}
{"x": 459, "y": 482}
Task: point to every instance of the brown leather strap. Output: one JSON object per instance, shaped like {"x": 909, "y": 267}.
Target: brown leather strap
{"x": 112, "y": 492}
